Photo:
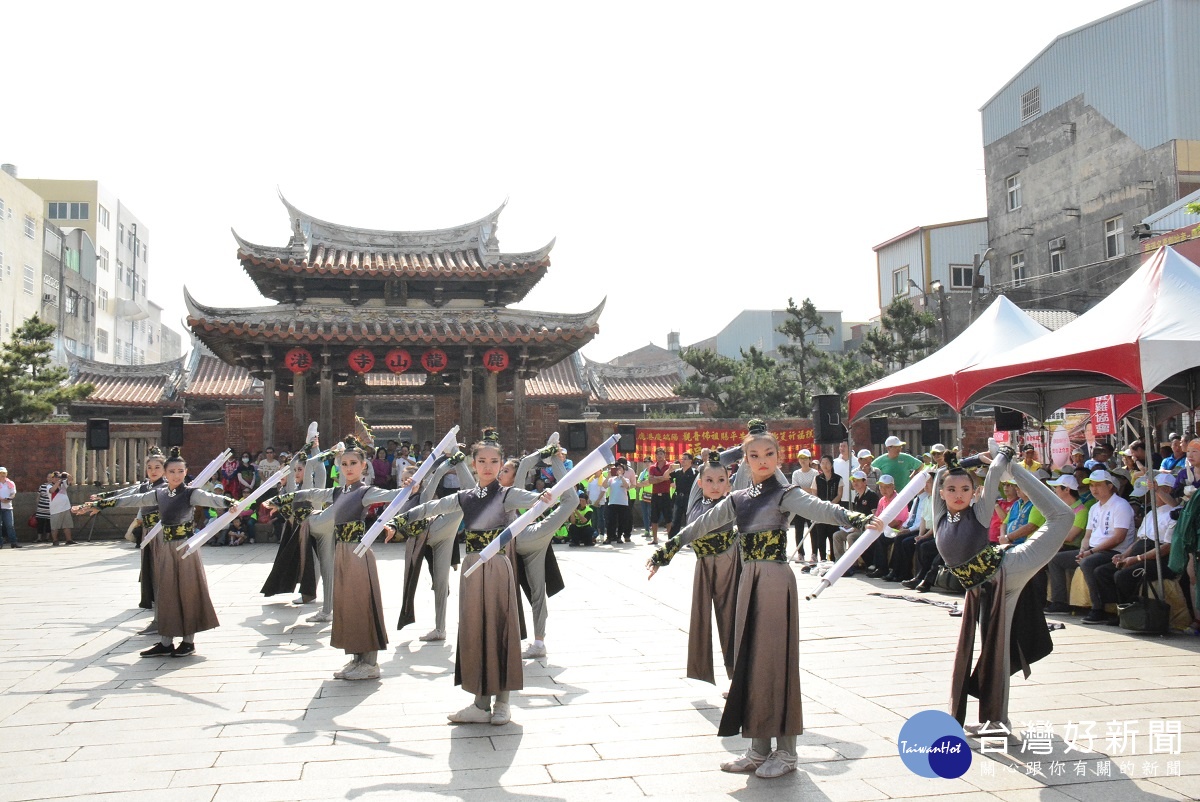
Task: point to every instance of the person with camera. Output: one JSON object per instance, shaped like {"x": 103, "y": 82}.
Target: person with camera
{"x": 60, "y": 509}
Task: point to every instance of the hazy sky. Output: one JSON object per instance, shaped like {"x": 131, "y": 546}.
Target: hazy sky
{"x": 693, "y": 159}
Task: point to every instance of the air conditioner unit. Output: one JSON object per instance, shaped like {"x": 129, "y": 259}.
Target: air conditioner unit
{"x": 47, "y": 298}
{"x": 1058, "y": 244}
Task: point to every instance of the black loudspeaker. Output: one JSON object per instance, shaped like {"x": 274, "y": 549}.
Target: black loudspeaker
{"x": 879, "y": 430}
{"x": 97, "y": 434}
{"x": 1009, "y": 420}
{"x": 628, "y": 443}
{"x": 930, "y": 431}
{"x": 172, "y": 431}
{"x": 577, "y": 439}
{"x": 827, "y": 419}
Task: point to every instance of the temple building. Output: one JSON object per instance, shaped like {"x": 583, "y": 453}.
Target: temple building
{"x": 397, "y": 326}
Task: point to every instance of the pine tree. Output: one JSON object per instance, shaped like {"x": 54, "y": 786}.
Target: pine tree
{"x": 750, "y": 387}
{"x": 902, "y": 336}
{"x": 811, "y": 366}
{"x": 30, "y": 386}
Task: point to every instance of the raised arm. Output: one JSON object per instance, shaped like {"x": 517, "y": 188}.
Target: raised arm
{"x": 430, "y": 509}
{"x": 430, "y": 485}
{"x": 985, "y": 508}
{"x": 128, "y": 500}
{"x": 809, "y": 507}
{"x": 516, "y": 498}
{"x": 314, "y": 473}
{"x": 1047, "y": 502}
{"x": 555, "y": 518}
{"x": 527, "y": 464}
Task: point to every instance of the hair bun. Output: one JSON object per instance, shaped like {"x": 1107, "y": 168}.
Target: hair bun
{"x": 154, "y": 452}
{"x": 490, "y": 436}
{"x": 176, "y": 453}
{"x": 714, "y": 457}
{"x": 756, "y": 426}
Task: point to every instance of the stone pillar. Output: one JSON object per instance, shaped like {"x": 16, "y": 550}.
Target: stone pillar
{"x": 519, "y": 409}
{"x": 269, "y": 403}
{"x": 466, "y": 407}
{"x": 487, "y": 410}
{"x": 300, "y": 409}
{"x": 328, "y": 435}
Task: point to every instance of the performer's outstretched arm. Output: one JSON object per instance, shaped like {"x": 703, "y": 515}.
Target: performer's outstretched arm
{"x": 429, "y": 509}
{"x": 986, "y": 506}
{"x": 722, "y": 516}
{"x": 811, "y": 508}
{"x": 1047, "y": 502}
{"x": 430, "y": 484}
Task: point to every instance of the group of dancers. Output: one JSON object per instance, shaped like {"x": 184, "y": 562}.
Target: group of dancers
{"x": 736, "y": 526}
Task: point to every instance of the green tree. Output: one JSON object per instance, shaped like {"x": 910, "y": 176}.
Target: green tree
{"x": 902, "y": 337}
{"x": 809, "y": 364}
{"x": 749, "y": 387}
{"x": 30, "y": 386}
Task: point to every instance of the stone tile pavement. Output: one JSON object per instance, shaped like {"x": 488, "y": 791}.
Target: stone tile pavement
{"x": 257, "y": 716}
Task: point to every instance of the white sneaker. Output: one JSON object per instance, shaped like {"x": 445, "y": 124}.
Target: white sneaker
{"x": 534, "y": 651}
{"x": 471, "y": 715}
{"x": 501, "y": 714}
{"x": 433, "y": 634}
{"x": 363, "y": 671}
{"x": 320, "y": 618}
{"x": 341, "y": 672}
{"x": 746, "y": 763}
{"x": 777, "y": 765}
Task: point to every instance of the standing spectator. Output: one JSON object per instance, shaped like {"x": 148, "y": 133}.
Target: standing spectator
{"x": 247, "y": 477}
{"x": 268, "y": 466}
{"x": 400, "y": 462}
{"x": 1110, "y": 531}
{"x": 383, "y": 468}
{"x": 60, "y": 510}
{"x": 683, "y": 478}
{"x": 228, "y": 474}
{"x": 661, "y": 511}
{"x": 869, "y": 470}
{"x": 900, "y": 466}
{"x": 803, "y": 478}
{"x": 841, "y": 466}
{"x": 8, "y": 491}
{"x": 620, "y": 521}
{"x": 827, "y": 487}
{"x": 640, "y": 489}
{"x": 43, "y": 508}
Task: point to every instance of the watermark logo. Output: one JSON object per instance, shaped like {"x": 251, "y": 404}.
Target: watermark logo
{"x": 933, "y": 744}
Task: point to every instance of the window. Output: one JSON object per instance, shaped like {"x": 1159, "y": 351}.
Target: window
{"x": 72, "y": 346}
{"x": 1114, "y": 238}
{"x": 30, "y": 227}
{"x": 1057, "y": 259}
{"x": 1031, "y": 104}
{"x": 58, "y": 211}
{"x": 120, "y": 346}
{"x": 1013, "y": 188}
{"x": 821, "y": 338}
{"x": 71, "y": 307}
{"x": 120, "y": 272}
{"x": 104, "y": 221}
{"x": 52, "y": 243}
{"x": 900, "y": 282}
{"x": 72, "y": 259}
{"x": 79, "y": 211}
{"x": 143, "y": 286}
{"x": 28, "y": 280}
{"x": 102, "y": 302}
{"x": 103, "y": 257}
{"x": 1017, "y": 262}
{"x": 121, "y": 233}
{"x": 961, "y": 277}
{"x": 102, "y": 340}
{"x": 1, "y": 208}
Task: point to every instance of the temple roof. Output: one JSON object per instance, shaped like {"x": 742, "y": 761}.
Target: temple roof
{"x": 468, "y": 252}
{"x": 642, "y": 384}
{"x": 153, "y": 385}
{"x": 336, "y": 324}
{"x": 562, "y": 380}
{"x": 210, "y": 379}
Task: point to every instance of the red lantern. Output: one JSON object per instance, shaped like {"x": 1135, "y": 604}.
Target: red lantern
{"x": 495, "y": 359}
{"x": 398, "y": 360}
{"x": 434, "y": 360}
{"x": 361, "y": 360}
{"x": 298, "y": 360}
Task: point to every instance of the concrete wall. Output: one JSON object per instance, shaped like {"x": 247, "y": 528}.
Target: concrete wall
{"x": 19, "y": 250}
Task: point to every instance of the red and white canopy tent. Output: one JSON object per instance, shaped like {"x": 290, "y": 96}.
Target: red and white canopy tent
{"x": 1001, "y": 327}
{"x": 1143, "y": 337}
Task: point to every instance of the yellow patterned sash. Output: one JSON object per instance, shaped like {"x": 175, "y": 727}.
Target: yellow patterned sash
{"x": 176, "y": 531}
{"x": 771, "y": 545}
{"x": 979, "y": 568}
{"x": 477, "y": 541}
{"x": 349, "y": 532}
{"x": 713, "y": 544}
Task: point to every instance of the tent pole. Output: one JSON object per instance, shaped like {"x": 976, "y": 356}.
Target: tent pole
{"x": 958, "y": 431}
{"x": 1152, "y": 490}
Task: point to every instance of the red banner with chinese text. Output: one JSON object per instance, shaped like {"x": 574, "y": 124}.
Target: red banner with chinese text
{"x": 690, "y": 441}
{"x": 1103, "y": 410}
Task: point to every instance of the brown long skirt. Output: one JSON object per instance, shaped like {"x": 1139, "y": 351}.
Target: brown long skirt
{"x": 488, "y": 657}
{"x": 714, "y": 587}
{"x": 181, "y": 587}
{"x": 414, "y": 555}
{"x": 357, "y": 602}
{"x": 764, "y": 697}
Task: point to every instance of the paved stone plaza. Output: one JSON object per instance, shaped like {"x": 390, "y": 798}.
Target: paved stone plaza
{"x": 257, "y": 716}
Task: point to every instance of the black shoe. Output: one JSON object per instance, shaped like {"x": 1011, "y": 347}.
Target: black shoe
{"x": 1057, "y": 607}
{"x": 874, "y": 573}
{"x": 850, "y": 572}
{"x": 158, "y": 650}
{"x": 70, "y": 542}
{"x": 1094, "y": 617}
{"x": 183, "y": 650}
{"x": 16, "y": 545}
{"x": 911, "y": 584}
{"x": 890, "y": 576}
{"x": 924, "y": 587}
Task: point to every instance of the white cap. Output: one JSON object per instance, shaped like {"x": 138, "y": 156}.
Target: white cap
{"x": 858, "y": 475}
{"x": 1140, "y": 488}
{"x": 804, "y": 452}
{"x": 886, "y": 479}
{"x": 1100, "y": 476}
{"x": 1066, "y": 480}
{"x": 938, "y": 448}
{"x": 865, "y": 454}
{"x": 893, "y": 442}
{"x": 3, "y": 470}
